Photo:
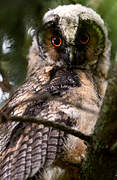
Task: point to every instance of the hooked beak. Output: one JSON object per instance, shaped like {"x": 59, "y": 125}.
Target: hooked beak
{"x": 71, "y": 55}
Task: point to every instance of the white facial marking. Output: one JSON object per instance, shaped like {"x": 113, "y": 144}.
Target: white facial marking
{"x": 69, "y": 28}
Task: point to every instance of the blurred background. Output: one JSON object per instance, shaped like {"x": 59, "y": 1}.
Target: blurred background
{"x": 19, "y": 19}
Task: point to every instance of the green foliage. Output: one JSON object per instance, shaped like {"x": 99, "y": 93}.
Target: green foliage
{"x": 108, "y": 10}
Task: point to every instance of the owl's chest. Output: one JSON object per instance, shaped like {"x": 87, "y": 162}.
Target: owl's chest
{"x": 72, "y": 94}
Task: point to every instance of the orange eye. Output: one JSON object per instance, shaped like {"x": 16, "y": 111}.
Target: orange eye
{"x": 56, "y": 41}
{"x": 84, "y": 38}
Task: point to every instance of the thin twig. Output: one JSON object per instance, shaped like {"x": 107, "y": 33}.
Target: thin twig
{"x": 55, "y": 125}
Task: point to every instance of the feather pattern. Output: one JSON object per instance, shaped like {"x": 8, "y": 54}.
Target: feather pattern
{"x": 64, "y": 84}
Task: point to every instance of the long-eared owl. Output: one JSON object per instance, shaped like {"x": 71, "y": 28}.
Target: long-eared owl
{"x": 66, "y": 83}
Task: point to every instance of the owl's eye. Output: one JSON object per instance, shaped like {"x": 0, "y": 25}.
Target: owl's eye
{"x": 84, "y": 39}
{"x": 56, "y": 41}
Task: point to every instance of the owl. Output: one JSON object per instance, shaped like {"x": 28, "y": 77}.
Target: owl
{"x": 66, "y": 83}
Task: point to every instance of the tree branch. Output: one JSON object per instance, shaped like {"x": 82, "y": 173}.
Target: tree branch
{"x": 48, "y": 123}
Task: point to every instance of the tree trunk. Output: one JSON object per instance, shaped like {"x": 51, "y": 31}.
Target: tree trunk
{"x": 101, "y": 159}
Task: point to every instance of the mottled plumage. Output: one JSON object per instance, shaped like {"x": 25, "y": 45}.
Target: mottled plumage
{"x": 66, "y": 83}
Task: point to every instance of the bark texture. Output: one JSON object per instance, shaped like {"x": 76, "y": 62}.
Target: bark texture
{"x": 101, "y": 159}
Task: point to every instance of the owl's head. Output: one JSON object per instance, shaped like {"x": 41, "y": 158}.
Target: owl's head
{"x": 73, "y": 36}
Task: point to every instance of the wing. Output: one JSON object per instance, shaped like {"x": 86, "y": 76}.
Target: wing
{"x": 27, "y": 148}
{"x": 30, "y": 147}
